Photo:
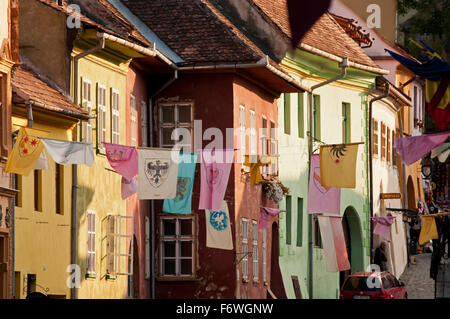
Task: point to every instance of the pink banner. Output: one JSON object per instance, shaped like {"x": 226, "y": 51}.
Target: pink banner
{"x": 413, "y": 148}
{"x": 333, "y": 242}
{"x": 321, "y": 200}
{"x": 383, "y": 225}
{"x": 215, "y": 171}
{"x": 123, "y": 159}
{"x": 264, "y": 215}
{"x": 128, "y": 187}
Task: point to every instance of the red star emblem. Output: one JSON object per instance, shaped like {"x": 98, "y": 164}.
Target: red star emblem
{"x": 25, "y": 139}
{"x": 25, "y": 151}
{"x": 337, "y": 161}
{"x": 34, "y": 142}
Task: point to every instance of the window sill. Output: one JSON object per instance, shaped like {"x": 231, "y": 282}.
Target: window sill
{"x": 256, "y": 282}
{"x": 90, "y": 276}
{"x": 245, "y": 280}
{"x": 111, "y": 277}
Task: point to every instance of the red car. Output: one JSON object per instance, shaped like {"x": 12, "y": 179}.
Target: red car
{"x": 373, "y": 285}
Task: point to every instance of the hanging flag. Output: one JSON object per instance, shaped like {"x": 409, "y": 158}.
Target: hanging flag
{"x": 158, "y": 170}
{"x": 383, "y": 225}
{"x": 428, "y": 230}
{"x": 438, "y": 101}
{"x": 218, "y": 228}
{"x": 264, "y": 215}
{"x": 413, "y": 148}
{"x": 321, "y": 200}
{"x": 303, "y": 15}
{"x": 338, "y": 165}
{"x": 123, "y": 159}
{"x": 42, "y": 162}
{"x": 333, "y": 242}
{"x": 255, "y": 162}
{"x": 69, "y": 152}
{"x": 215, "y": 171}
{"x": 181, "y": 204}
{"x": 128, "y": 187}
{"x": 26, "y": 152}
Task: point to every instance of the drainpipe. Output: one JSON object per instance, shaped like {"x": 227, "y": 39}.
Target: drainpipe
{"x": 74, "y": 228}
{"x": 152, "y": 202}
{"x": 343, "y": 65}
{"x": 385, "y": 95}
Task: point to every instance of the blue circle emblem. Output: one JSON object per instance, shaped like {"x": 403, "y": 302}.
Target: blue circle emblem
{"x": 218, "y": 220}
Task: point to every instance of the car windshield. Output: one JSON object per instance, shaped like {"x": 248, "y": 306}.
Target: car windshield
{"x": 362, "y": 284}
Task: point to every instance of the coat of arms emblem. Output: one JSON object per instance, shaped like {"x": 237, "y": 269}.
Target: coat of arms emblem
{"x": 28, "y": 145}
{"x": 157, "y": 171}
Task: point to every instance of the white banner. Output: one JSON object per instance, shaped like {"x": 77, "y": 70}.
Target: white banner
{"x": 69, "y": 152}
{"x": 218, "y": 228}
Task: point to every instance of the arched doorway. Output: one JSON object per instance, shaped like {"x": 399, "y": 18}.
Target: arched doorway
{"x": 276, "y": 278}
{"x": 411, "y": 194}
{"x": 353, "y": 240}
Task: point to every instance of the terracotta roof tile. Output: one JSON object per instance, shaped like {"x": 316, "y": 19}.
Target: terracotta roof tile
{"x": 326, "y": 34}
{"x": 28, "y": 86}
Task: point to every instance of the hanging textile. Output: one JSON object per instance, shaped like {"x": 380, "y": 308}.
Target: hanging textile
{"x": 181, "y": 204}
{"x": 413, "y": 148}
{"x": 218, "y": 228}
{"x": 26, "y": 152}
{"x": 333, "y": 242}
{"x": 441, "y": 152}
{"x": 428, "y": 230}
{"x": 321, "y": 200}
{"x": 338, "y": 165}
{"x": 255, "y": 163}
{"x": 69, "y": 152}
{"x": 128, "y": 187}
{"x": 215, "y": 171}
{"x": 42, "y": 162}
{"x": 158, "y": 171}
{"x": 123, "y": 159}
{"x": 264, "y": 215}
{"x": 383, "y": 225}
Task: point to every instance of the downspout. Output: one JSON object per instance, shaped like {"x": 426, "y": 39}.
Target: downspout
{"x": 152, "y": 202}
{"x": 343, "y": 65}
{"x": 74, "y": 228}
{"x": 385, "y": 95}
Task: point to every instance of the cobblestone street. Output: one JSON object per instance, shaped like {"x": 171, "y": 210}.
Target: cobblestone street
{"x": 417, "y": 278}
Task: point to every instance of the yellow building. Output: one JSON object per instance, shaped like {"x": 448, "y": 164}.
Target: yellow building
{"x": 43, "y": 206}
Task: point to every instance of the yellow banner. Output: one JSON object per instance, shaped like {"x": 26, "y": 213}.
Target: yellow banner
{"x": 25, "y": 153}
{"x": 255, "y": 172}
{"x": 338, "y": 165}
{"x": 428, "y": 230}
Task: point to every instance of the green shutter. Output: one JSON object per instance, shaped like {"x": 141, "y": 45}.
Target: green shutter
{"x": 317, "y": 129}
{"x": 301, "y": 116}
{"x": 347, "y": 124}
{"x": 299, "y": 221}
{"x": 287, "y": 113}
{"x": 288, "y": 220}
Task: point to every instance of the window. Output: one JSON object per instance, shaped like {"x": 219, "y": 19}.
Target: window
{"x": 147, "y": 248}
{"x": 244, "y": 241}
{"x": 255, "y": 252}
{"x": 18, "y": 186}
{"x": 86, "y": 134}
{"x": 264, "y": 247}
{"x": 383, "y": 141}
{"x": 264, "y": 145}
{"x": 394, "y": 152}
{"x": 273, "y": 148}
{"x": 175, "y": 116}
{"x": 301, "y": 115}
{"x": 299, "y": 221}
{"x": 242, "y": 132}
{"x": 119, "y": 238}
{"x": 115, "y": 117}
{"x": 288, "y": 219}
{"x": 416, "y": 103}
{"x": 90, "y": 262}
{"x": 287, "y": 113}
{"x": 317, "y": 238}
{"x": 133, "y": 120}
{"x": 59, "y": 188}
{"x": 375, "y": 138}
{"x": 144, "y": 123}
{"x": 253, "y": 140}
{"x": 346, "y": 123}
{"x": 38, "y": 190}
{"x": 177, "y": 247}
{"x": 388, "y": 146}
{"x": 101, "y": 117}
{"x": 317, "y": 124}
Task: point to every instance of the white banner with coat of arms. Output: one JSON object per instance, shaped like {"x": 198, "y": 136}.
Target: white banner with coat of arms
{"x": 158, "y": 171}
{"x": 218, "y": 228}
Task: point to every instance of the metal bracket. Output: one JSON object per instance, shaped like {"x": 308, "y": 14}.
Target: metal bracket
{"x": 237, "y": 262}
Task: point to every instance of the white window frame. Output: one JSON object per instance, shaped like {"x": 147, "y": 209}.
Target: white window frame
{"x": 273, "y": 147}
{"x": 264, "y": 142}
{"x": 255, "y": 251}
{"x": 147, "y": 248}
{"x": 245, "y": 252}
{"x": 176, "y": 124}
{"x": 133, "y": 120}
{"x": 253, "y": 135}
{"x": 91, "y": 242}
{"x": 115, "y": 116}
{"x": 86, "y": 104}
{"x": 101, "y": 117}
{"x": 242, "y": 140}
{"x": 116, "y": 235}
{"x": 144, "y": 123}
{"x": 264, "y": 247}
{"x": 177, "y": 238}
